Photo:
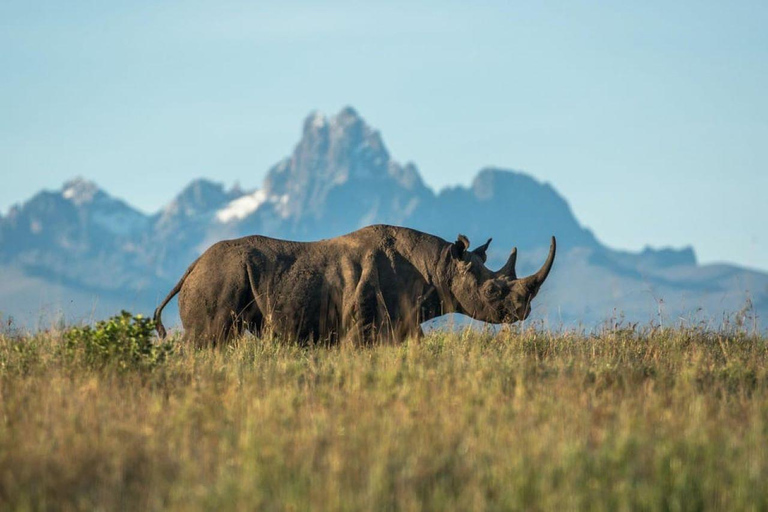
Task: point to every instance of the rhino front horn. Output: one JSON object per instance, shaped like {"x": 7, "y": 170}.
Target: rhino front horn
{"x": 539, "y": 277}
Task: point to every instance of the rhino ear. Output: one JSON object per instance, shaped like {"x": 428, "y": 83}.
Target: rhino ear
{"x": 459, "y": 247}
{"x": 480, "y": 251}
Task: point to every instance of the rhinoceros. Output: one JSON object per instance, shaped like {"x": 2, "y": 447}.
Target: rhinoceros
{"x": 380, "y": 282}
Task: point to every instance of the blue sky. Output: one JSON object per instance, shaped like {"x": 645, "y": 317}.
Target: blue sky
{"x": 651, "y": 118}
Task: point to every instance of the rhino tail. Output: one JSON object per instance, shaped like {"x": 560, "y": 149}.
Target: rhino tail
{"x": 161, "y": 332}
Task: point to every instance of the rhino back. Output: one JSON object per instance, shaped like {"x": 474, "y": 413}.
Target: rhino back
{"x": 309, "y": 284}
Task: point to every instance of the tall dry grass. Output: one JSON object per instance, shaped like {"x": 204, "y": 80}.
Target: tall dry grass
{"x": 524, "y": 420}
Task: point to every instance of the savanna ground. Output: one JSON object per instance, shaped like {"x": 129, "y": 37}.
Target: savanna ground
{"x": 657, "y": 419}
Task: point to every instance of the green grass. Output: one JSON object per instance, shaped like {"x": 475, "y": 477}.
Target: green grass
{"x": 659, "y": 420}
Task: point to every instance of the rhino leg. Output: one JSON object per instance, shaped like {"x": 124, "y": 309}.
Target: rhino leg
{"x": 416, "y": 333}
{"x": 211, "y": 331}
{"x": 370, "y": 320}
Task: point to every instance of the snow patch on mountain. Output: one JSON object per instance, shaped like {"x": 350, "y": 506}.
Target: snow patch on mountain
{"x": 244, "y": 206}
{"x": 80, "y": 191}
{"x": 317, "y": 120}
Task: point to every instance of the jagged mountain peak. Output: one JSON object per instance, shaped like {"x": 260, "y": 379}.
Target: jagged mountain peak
{"x": 348, "y": 112}
{"x": 85, "y": 194}
{"x": 345, "y": 118}
{"x": 201, "y": 186}
{"x": 202, "y": 195}
{"x": 314, "y": 122}
{"x": 340, "y": 147}
{"x": 491, "y": 182}
{"x": 72, "y": 232}
{"x": 196, "y": 204}
{"x": 339, "y": 156}
{"x": 80, "y": 191}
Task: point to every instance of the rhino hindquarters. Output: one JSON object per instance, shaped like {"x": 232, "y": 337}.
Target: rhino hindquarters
{"x": 216, "y": 303}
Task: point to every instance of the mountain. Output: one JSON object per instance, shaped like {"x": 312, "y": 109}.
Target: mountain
{"x": 510, "y": 206}
{"x": 81, "y": 251}
{"x": 339, "y": 177}
{"x": 78, "y": 235}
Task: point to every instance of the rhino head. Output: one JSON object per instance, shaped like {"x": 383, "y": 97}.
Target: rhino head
{"x": 492, "y": 296}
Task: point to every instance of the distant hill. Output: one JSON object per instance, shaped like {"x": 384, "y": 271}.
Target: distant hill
{"x": 81, "y": 253}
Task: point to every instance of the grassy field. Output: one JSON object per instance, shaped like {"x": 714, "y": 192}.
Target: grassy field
{"x": 522, "y": 420}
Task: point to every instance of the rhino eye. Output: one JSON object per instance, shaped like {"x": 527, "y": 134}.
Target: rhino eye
{"x": 492, "y": 290}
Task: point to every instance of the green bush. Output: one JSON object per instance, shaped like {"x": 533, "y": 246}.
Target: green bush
{"x": 124, "y": 341}
{"x": 18, "y": 356}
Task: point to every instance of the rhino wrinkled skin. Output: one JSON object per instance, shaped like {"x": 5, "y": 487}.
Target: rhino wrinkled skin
{"x": 380, "y": 282}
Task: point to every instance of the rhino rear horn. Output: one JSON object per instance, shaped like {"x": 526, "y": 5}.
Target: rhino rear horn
{"x": 508, "y": 269}
{"x": 480, "y": 251}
